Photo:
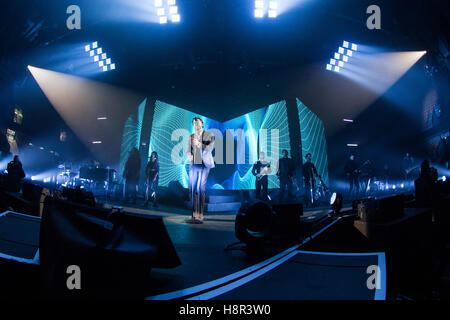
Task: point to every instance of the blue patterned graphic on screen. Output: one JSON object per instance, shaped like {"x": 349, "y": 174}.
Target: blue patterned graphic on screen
{"x": 131, "y": 137}
{"x": 168, "y": 118}
{"x": 313, "y": 139}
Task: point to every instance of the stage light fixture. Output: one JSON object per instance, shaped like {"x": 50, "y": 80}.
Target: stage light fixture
{"x": 444, "y": 178}
{"x": 349, "y": 53}
{"x": 341, "y": 50}
{"x": 99, "y": 55}
{"x": 345, "y": 44}
{"x": 272, "y": 13}
{"x": 163, "y": 20}
{"x": 336, "y": 202}
{"x": 160, "y": 12}
{"x": 337, "y": 56}
{"x": 273, "y": 5}
{"x": 173, "y": 10}
{"x": 176, "y": 18}
{"x": 112, "y": 66}
{"x": 171, "y": 2}
{"x": 345, "y": 58}
{"x": 259, "y": 4}
{"x": 158, "y": 3}
{"x": 341, "y": 64}
{"x": 329, "y": 67}
{"x": 259, "y": 13}
{"x": 332, "y": 62}
{"x": 354, "y": 47}
{"x": 336, "y": 69}
{"x": 343, "y": 53}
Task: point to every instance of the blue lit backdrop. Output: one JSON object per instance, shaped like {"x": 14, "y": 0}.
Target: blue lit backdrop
{"x": 313, "y": 139}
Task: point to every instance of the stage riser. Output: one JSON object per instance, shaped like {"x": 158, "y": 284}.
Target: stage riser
{"x": 221, "y": 199}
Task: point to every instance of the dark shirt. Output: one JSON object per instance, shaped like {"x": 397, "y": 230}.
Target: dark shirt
{"x": 151, "y": 170}
{"x": 15, "y": 170}
{"x": 132, "y": 168}
{"x": 258, "y": 166}
{"x": 350, "y": 167}
{"x": 286, "y": 168}
{"x": 309, "y": 170}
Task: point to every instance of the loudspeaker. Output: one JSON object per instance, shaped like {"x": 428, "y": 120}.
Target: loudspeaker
{"x": 31, "y": 192}
{"x": 114, "y": 251}
{"x": 287, "y": 227}
{"x": 380, "y": 210}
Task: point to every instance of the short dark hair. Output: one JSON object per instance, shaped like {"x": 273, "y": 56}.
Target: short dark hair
{"x": 284, "y": 150}
{"x": 197, "y": 118}
{"x": 308, "y": 154}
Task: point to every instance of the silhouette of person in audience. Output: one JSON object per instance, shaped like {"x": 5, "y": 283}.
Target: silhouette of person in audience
{"x": 15, "y": 174}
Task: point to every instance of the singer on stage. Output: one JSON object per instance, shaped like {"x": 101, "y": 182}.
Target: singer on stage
{"x": 199, "y": 152}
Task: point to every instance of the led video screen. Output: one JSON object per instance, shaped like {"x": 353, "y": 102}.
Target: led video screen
{"x": 313, "y": 139}
{"x": 237, "y": 144}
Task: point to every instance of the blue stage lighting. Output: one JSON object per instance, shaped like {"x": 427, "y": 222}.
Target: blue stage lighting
{"x": 354, "y": 47}
{"x": 341, "y": 50}
{"x": 272, "y": 14}
{"x": 263, "y": 7}
{"x": 160, "y": 11}
{"x": 329, "y": 67}
{"x": 99, "y": 56}
{"x": 333, "y": 62}
{"x": 336, "y": 68}
{"x": 337, "y": 56}
{"x": 166, "y": 10}
{"x": 176, "y": 18}
{"x": 259, "y": 13}
{"x": 349, "y": 53}
{"x": 112, "y": 66}
{"x": 341, "y": 64}
{"x": 173, "y": 10}
{"x": 345, "y": 58}
{"x": 345, "y": 44}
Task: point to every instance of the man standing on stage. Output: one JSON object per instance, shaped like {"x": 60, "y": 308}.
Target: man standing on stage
{"x": 261, "y": 170}
{"x": 286, "y": 175}
{"x": 199, "y": 152}
{"x": 309, "y": 174}
{"x": 351, "y": 170}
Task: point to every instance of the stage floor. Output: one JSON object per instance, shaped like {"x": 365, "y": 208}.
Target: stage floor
{"x": 209, "y": 272}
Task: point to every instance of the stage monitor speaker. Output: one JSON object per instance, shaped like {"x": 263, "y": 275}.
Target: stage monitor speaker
{"x": 287, "y": 226}
{"x": 380, "y": 210}
{"x": 31, "y": 192}
{"x": 114, "y": 251}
